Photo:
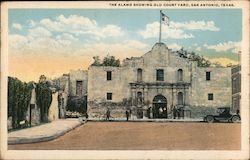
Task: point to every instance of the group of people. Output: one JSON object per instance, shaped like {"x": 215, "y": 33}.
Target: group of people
{"x": 177, "y": 112}
{"x": 108, "y": 114}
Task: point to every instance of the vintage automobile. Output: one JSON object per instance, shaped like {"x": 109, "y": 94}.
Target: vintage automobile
{"x": 224, "y": 115}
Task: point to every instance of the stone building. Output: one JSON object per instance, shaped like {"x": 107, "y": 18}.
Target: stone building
{"x": 78, "y": 81}
{"x": 150, "y": 86}
{"x": 72, "y": 95}
{"x": 236, "y": 87}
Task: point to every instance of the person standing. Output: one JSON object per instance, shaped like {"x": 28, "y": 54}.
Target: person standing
{"x": 174, "y": 112}
{"x": 107, "y": 114}
{"x": 127, "y": 114}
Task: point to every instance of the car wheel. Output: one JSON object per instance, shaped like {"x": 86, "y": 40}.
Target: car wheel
{"x": 235, "y": 119}
{"x": 210, "y": 119}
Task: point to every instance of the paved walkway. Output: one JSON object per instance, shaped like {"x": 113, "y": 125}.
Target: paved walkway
{"x": 43, "y": 132}
{"x": 58, "y": 128}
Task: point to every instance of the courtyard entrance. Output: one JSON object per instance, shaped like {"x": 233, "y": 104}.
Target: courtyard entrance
{"x": 160, "y": 107}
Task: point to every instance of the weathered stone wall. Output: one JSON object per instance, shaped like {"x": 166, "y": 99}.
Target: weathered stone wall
{"x": 63, "y": 99}
{"x": 160, "y": 57}
{"x": 219, "y": 86}
{"x": 35, "y": 112}
{"x": 98, "y": 110}
{"x": 77, "y": 75}
{"x": 200, "y": 112}
{"x": 53, "y": 109}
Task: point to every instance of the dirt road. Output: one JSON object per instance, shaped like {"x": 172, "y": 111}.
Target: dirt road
{"x": 144, "y": 135}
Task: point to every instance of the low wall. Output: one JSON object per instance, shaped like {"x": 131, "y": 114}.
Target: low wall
{"x": 200, "y": 112}
{"x": 99, "y": 111}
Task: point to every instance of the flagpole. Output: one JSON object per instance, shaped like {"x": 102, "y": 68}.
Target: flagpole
{"x": 160, "y": 27}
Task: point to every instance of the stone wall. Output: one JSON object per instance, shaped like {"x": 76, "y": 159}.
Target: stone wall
{"x": 33, "y": 109}
{"x": 53, "y": 109}
{"x": 195, "y": 89}
{"x": 219, "y": 86}
{"x": 77, "y": 75}
{"x": 201, "y": 111}
{"x": 98, "y": 110}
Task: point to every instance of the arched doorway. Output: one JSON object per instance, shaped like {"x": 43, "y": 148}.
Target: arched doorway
{"x": 160, "y": 107}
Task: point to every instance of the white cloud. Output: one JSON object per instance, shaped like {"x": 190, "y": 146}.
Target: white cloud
{"x": 40, "y": 42}
{"x": 174, "y": 46}
{"x": 80, "y": 25}
{"x": 112, "y": 31}
{"x": 124, "y": 49}
{"x": 235, "y": 47}
{"x": 195, "y": 25}
{"x": 32, "y": 23}
{"x": 67, "y": 36}
{"x": 223, "y": 61}
{"x": 17, "y": 26}
{"x": 177, "y": 30}
{"x": 17, "y": 41}
{"x": 152, "y": 31}
{"x": 39, "y": 32}
{"x": 198, "y": 48}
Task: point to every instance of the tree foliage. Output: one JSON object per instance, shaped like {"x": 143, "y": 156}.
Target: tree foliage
{"x": 76, "y": 104}
{"x": 107, "y": 61}
{"x": 202, "y": 62}
{"x": 43, "y": 100}
{"x": 19, "y": 95}
{"x": 97, "y": 61}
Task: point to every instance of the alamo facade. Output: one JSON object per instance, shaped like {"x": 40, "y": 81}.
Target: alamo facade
{"x": 151, "y": 86}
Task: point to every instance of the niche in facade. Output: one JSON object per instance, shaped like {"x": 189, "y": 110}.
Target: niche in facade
{"x": 139, "y": 74}
{"x": 180, "y": 75}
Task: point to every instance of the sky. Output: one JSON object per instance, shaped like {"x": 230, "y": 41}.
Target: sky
{"x": 54, "y": 41}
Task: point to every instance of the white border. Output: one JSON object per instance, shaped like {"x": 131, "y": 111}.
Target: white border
{"x": 140, "y": 154}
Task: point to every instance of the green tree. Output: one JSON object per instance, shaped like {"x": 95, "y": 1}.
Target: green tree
{"x": 43, "y": 99}
{"x": 202, "y": 62}
{"x": 107, "y": 61}
{"x": 97, "y": 61}
{"x": 111, "y": 61}
{"x": 42, "y": 79}
{"x": 19, "y": 95}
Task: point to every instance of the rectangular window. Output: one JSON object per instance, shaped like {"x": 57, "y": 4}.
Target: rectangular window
{"x": 160, "y": 75}
{"x": 210, "y": 96}
{"x": 109, "y": 96}
{"x": 79, "y": 88}
{"x": 109, "y": 75}
{"x": 208, "y": 76}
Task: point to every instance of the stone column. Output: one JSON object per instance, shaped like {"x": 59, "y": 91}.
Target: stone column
{"x": 133, "y": 96}
{"x": 184, "y": 95}
{"x": 174, "y": 97}
{"x": 146, "y": 94}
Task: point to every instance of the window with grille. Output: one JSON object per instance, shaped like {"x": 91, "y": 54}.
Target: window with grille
{"x": 109, "y": 96}
{"x": 160, "y": 75}
{"x": 210, "y": 96}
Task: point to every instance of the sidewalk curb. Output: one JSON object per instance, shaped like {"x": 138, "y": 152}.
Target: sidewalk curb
{"x": 148, "y": 120}
{"x": 25, "y": 140}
